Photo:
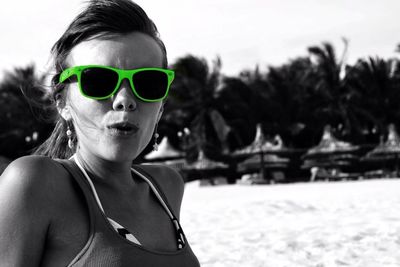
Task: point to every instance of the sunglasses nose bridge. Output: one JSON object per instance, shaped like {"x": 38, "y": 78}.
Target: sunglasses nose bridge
{"x": 126, "y": 75}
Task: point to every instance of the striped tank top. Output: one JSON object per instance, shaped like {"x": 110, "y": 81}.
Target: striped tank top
{"x": 110, "y": 244}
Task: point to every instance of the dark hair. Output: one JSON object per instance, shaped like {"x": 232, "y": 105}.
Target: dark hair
{"x": 101, "y": 18}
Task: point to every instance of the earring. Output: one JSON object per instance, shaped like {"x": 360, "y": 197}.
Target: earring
{"x": 69, "y": 135}
{"x": 155, "y": 146}
{"x": 156, "y": 135}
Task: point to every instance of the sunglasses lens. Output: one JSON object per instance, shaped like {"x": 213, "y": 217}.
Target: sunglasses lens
{"x": 150, "y": 84}
{"x": 98, "y": 82}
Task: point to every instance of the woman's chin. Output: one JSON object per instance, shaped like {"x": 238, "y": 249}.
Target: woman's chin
{"x": 119, "y": 153}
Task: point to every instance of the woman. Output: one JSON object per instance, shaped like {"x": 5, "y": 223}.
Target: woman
{"x": 81, "y": 203}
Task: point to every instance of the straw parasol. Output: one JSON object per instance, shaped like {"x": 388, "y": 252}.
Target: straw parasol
{"x": 165, "y": 151}
{"x": 330, "y": 155}
{"x": 269, "y": 161}
{"x": 386, "y": 155}
{"x": 330, "y": 145}
{"x": 261, "y": 145}
{"x": 390, "y": 148}
{"x": 204, "y": 163}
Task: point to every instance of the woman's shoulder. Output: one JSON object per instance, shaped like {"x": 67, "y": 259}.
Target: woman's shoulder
{"x": 170, "y": 181}
{"x": 33, "y": 175}
{"x": 31, "y": 168}
{"x": 36, "y": 197}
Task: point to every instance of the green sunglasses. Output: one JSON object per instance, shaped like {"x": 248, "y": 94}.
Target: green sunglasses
{"x": 101, "y": 82}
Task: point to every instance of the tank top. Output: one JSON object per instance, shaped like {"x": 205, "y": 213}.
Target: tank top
{"x": 106, "y": 247}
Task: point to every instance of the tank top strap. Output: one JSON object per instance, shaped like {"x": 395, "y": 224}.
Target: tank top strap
{"x": 73, "y": 169}
{"x": 156, "y": 188}
{"x": 90, "y": 202}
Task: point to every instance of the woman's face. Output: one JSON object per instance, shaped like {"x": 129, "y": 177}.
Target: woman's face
{"x": 95, "y": 120}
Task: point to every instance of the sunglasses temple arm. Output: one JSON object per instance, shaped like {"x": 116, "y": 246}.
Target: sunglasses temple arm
{"x": 66, "y": 74}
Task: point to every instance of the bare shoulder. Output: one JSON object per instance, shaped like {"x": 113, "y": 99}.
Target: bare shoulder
{"x": 34, "y": 179}
{"x": 26, "y": 206}
{"x": 171, "y": 183}
{"x": 29, "y": 172}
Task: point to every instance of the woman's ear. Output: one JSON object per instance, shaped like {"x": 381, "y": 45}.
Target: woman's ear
{"x": 62, "y": 108}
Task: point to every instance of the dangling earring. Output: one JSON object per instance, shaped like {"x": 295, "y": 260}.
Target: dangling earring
{"x": 155, "y": 145}
{"x": 69, "y": 135}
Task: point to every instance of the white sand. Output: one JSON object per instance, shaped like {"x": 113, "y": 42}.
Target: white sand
{"x": 307, "y": 224}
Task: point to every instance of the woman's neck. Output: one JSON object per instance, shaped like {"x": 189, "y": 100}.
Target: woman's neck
{"x": 105, "y": 172}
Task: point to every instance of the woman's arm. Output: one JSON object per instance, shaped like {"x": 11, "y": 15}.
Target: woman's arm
{"x": 25, "y": 201}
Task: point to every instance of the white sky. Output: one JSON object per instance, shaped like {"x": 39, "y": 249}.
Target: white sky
{"x": 243, "y": 32}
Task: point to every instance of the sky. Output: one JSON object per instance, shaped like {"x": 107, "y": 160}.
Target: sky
{"x": 244, "y": 33}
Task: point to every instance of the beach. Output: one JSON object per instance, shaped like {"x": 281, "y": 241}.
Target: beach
{"x": 320, "y": 224}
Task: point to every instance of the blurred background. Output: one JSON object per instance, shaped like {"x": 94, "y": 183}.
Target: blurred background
{"x": 283, "y": 90}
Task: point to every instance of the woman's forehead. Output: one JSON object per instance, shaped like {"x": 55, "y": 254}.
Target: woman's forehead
{"x": 130, "y": 51}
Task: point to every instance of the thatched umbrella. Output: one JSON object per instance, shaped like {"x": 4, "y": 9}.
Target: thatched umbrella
{"x": 204, "y": 168}
{"x": 330, "y": 154}
{"x": 390, "y": 148}
{"x": 264, "y": 154}
{"x": 330, "y": 145}
{"x": 204, "y": 163}
{"x": 261, "y": 145}
{"x": 386, "y": 153}
{"x": 255, "y": 146}
{"x": 269, "y": 160}
{"x": 165, "y": 151}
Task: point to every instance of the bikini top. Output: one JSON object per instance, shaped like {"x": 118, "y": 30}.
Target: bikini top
{"x": 111, "y": 244}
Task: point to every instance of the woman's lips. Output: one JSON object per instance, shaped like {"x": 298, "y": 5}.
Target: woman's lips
{"x": 122, "y": 129}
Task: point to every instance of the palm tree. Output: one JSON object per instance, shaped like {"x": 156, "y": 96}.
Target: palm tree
{"x": 278, "y": 100}
{"x": 290, "y": 87}
{"x": 194, "y": 103}
{"x": 237, "y": 104}
{"x": 332, "y": 100}
{"x": 375, "y": 82}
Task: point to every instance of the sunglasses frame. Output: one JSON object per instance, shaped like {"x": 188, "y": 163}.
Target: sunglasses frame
{"x": 122, "y": 74}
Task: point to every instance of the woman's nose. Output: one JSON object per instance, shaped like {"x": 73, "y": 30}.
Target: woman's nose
{"x": 124, "y": 100}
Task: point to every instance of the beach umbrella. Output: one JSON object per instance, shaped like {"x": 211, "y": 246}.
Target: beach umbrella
{"x": 255, "y": 146}
{"x": 165, "y": 151}
{"x": 386, "y": 154}
{"x": 269, "y": 161}
{"x": 389, "y": 148}
{"x": 330, "y": 145}
{"x": 265, "y": 154}
{"x": 261, "y": 145}
{"x": 204, "y": 163}
{"x": 331, "y": 154}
